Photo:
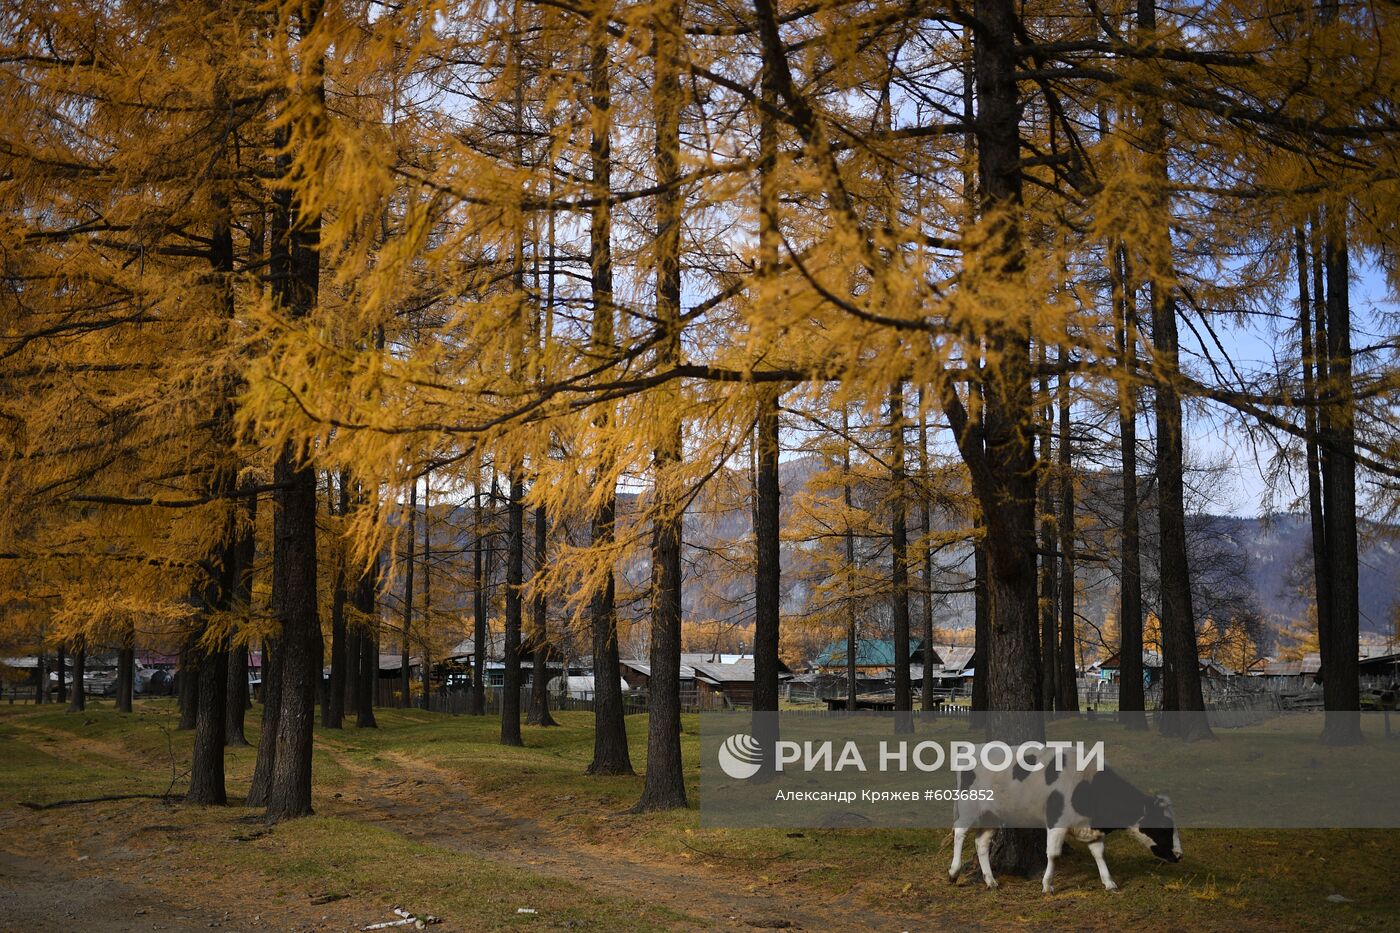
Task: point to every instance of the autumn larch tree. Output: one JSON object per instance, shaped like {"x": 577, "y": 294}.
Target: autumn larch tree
{"x": 665, "y": 779}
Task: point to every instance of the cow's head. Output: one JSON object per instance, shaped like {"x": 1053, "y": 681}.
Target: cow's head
{"x": 1157, "y": 829}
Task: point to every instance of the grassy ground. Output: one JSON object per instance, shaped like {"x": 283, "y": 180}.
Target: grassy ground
{"x": 429, "y": 812}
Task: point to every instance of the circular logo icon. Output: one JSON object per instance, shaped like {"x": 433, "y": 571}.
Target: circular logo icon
{"x": 740, "y": 756}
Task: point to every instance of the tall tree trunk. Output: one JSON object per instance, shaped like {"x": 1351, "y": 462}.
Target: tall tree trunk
{"x": 425, "y": 670}
{"x": 664, "y": 786}
{"x": 767, "y": 492}
{"x": 539, "y": 674}
{"x": 925, "y": 528}
{"x": 211, "y": 655}
{"x": 405, "y": 675}
{"x": 1314, "y": 372}
{"x": 294, "y": 605}
{"x": 479, "y": 605}
{"x": 1341, "y": 686}
{"x": 260, "y": 788}
{"x": 207, "y": 767}
{"x": 295, "y": 265}
{"x": 126, "y": 669}
{"x": 187, "y": 684}
{"x": 1181, "y": 675}
{"x": 366, "y": 664}
{"x": 1181, "y": 672}
{"x": 610, "y": 753}
{"x": 353, "y": 682}
{"x": 1131, "y": 702}
{"x": 515, "y": 577}
{"x": 899, "y": 562}
{"x": 852, "y": 641}
{"x": 767, "y": 579}
{"x": 333, "y": 711}
{"x": 1001, "y": 455}
{"x": 1321, "y": 376}
{"x": 236, "y": 697}
{"x": 211, "y": 668}
{"x": 62, "y": 673}
{"x": 78, "y": 702}
{"x": 207, "y": 764}
{"x": 1066, "y": 678}
{"x": 41, "y": 674}
{"x": 767, "y": 557}
{"x": 1049, "y": 547}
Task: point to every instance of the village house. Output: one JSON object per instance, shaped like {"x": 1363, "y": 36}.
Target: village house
{"x": 709, "y": 680}
{"x": 874, "y": 659}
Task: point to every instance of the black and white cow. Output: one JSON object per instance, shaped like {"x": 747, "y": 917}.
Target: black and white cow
{"x": 1087, "y": 804}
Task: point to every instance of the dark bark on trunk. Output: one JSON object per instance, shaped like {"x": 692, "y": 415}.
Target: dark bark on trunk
{"x": 767, "y": 557}
{"x": 539, "y": 674}
{"x": 261, "y": 786}
{"x": 1066, "y": 686}
{"x": 1341, "y": 689}
{"x": 333, "y": 712}
{"x": 426, "y": 668}
{"x": 1049, "y": 547}
{"x": 515, "y": 577}
{"x": 236, "y": 697}
{"x": 126, "y": 670}
{"x": 664, "y": 786}
{"x": 1323, "y": 423}
{"x": 207, "y": 765}
{"x": 925, "y": 526}
{"x": 366, "y": 664}
{"x": 238, "y": 667}
{"x": 767, "y": 492}
{"x": 78, "y": 701}
{"x": 1131, "y": 701}
{"x": 767, "y": 579}
{"x": 41, "y": 676}
{"x": 1001, "y": 456}
{"x": 239, "y": 696}
{"x": 479, "y": 603}
{"x": 62, "y": 674}
{"x": 899, "y": 563}
{"x": 217, "y": 594}
{"x": 610, "y": 752}
{"x": 187, "y": 677}
{"x": 294, "y": 605}
{"x": 1181, "y": 673}
{"x": 1311, "y": 370}
{"x": 353, "y": 681}
{"x": 852, "y": 641}
{"x": 405, "y": 675}
{"x": 295, "y": 266}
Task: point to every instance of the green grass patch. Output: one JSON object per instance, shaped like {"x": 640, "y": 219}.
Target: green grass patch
{"x": 1230, "y": 879}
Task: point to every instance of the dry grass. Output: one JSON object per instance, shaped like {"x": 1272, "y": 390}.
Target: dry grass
{"x": 430, "y": 792}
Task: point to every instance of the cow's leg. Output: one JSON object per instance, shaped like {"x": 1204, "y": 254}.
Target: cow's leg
{"x": 984, "y": 856}
{"x": 1096, "y": 848}
{"x": 1054, "y": 844}
{"x": 959, "y": 834}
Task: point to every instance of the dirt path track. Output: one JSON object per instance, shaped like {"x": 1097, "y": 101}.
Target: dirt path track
{"x": 423, "y": 802}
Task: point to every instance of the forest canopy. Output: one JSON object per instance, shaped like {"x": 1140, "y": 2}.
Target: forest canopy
{"x": 581, "y": 270}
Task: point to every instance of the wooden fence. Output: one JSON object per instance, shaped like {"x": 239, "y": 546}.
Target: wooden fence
{"x": 457, "y": 701}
